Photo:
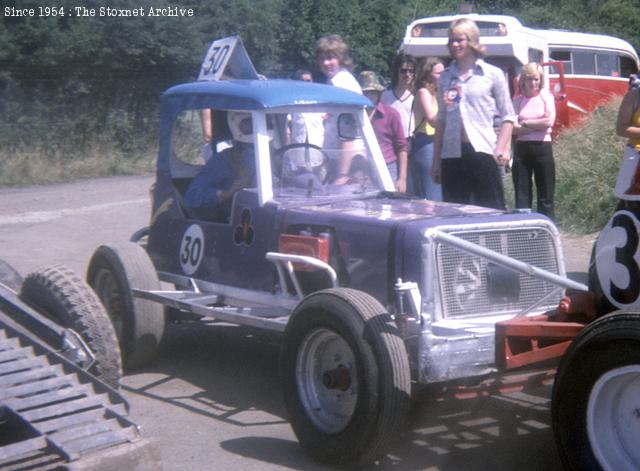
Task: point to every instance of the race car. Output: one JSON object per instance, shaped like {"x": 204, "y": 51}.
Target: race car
{"x": 374, "y": 291}
{"x": 595, "y": 404}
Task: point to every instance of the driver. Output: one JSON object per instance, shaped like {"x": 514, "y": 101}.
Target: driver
{"x": 209, "y": 193}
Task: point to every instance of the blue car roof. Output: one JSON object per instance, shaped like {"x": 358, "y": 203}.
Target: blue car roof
{"x": 265, "y": 94}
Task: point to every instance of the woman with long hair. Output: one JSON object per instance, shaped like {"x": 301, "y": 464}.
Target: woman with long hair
{"x": 425, "y": 112}
{"x": 399, "y": 95}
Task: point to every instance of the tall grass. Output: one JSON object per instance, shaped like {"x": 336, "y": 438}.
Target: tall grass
{"x": 31, "y": 166}
{"x": 64, "y": 149}
{"x": 587, "y": 161}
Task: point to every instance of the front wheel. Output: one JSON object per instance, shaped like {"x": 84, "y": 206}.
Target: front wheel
{"x": 596, "y": 396}
{"x": 345, "y": 376}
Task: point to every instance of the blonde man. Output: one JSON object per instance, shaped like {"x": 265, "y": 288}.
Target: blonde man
{"x": 467, "y": 149}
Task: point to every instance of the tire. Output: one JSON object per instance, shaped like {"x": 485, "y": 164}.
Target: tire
{"x": 61, "y": 295}
{"x": 346, "y": 377}
{"x": 594, "y": 401}
{"x": 113, "y": 271}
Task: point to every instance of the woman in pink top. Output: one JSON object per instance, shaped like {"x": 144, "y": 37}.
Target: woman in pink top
{"x": 533, "y": 156}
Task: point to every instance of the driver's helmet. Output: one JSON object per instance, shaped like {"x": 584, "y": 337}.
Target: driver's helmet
{"x": 241, "y": 126}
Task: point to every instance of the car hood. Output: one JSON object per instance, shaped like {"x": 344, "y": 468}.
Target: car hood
{"x": 398, "y": 209}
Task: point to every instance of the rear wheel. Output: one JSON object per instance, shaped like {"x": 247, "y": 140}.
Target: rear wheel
{"x": 61, "y": 295}
{"x": 345, "y": 376}
{"x": 595, "y": 406}
{"x": 114, "y": 270}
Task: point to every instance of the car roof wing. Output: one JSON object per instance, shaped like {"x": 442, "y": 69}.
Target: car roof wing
{"x": 227, "y": 58}
{"x": 254, "y": 95}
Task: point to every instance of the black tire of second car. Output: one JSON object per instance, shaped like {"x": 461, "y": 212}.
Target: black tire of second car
{"x": 609, "y": 343}
{"x": 61, "y": 295}
{"x": 373, "y": 368}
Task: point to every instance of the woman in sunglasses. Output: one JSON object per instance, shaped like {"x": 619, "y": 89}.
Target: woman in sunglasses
{"x": 399, "y": 95}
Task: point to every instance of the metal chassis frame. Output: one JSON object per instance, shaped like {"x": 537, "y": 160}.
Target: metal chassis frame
{"x": 271, "y": 311}
{"x": 237, "y": 305}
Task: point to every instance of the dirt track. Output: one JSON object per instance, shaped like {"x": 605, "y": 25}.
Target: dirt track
{"x": 212, "y": 400}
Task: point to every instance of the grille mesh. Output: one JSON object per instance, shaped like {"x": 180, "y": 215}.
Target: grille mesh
{"x": 463, "y": 277}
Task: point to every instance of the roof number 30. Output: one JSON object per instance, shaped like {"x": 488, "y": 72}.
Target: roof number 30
{"x": 216, "y": 59}
{"x": 191, "y": 249}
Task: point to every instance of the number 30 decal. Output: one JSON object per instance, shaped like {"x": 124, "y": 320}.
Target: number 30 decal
{"x": 618, "y": 260}
{"x": 191, "y": 249}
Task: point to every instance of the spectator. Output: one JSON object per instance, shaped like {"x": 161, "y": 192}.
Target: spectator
{"x": 533, "y": 156}
{"x": 332, "y": 57}
{"x": 628, "y": 125}
{"x": 387, "y": 126}
{"x": 307, "y": 127}
{"x": 426, "y": 112}
{"x": 304, "y": 75}
{"x": 399, "y": 95}
{"x": 467, "y": 151}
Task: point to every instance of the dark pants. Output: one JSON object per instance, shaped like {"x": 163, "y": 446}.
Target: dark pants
{"x": 534, "y": 159}
{"x": 474, "y": 178}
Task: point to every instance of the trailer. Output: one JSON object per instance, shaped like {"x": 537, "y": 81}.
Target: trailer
{"x": 54, "y": 413}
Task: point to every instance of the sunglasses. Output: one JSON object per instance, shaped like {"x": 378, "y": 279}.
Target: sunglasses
{"x": 407, "y": 71}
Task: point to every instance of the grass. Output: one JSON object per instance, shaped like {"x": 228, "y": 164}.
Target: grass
{"x": 587, "y": 161}
{"x": 20, "y": 167}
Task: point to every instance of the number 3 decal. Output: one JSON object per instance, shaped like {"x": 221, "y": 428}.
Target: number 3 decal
{"x": 191, "y": 249}
{"x": 617, "y": 260}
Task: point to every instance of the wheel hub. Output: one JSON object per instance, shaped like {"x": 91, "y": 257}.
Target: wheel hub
{"x": 337, "y": 378}
{"x": 326, "y": 380}
{"x": 613, "y": 418}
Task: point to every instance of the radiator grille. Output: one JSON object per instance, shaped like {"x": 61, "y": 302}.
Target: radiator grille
{"x": 463, "y": 277}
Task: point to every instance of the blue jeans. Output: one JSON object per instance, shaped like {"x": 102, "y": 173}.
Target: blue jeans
{"x": 421, "y": 163}
{"x": 393, "y": 170}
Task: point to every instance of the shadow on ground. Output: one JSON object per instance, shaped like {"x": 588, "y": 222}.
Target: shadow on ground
{"x": 229, "y": 374}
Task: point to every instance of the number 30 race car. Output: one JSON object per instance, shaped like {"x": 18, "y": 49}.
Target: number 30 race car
{"x": 372, "y": 290}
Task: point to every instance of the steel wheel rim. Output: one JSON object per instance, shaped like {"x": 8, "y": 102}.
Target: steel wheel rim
{"x": 106, "y": 288}
{"x": 326, "y": 380}
{"x": 613, "y": 418}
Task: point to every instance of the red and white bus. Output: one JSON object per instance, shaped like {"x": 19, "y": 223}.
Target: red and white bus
{"x": 584, "y": 70}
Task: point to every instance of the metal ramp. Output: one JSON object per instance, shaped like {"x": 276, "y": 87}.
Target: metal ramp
{"x": 54, "y": 415}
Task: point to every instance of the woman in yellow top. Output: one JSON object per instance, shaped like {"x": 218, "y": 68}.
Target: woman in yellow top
{"x": 628, "y": 125}
{"x": 425, "y": 107}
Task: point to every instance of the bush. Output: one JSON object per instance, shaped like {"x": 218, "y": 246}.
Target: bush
{"x": 587, "y": 161}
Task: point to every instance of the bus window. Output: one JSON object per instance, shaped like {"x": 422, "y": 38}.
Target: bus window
{"x": 535, "y": 55}
{"x": 627, "y": 66}
{"x": 584, "y": 63}
{"x": 564, "y": 57}
{"x": 607, "y": 64}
